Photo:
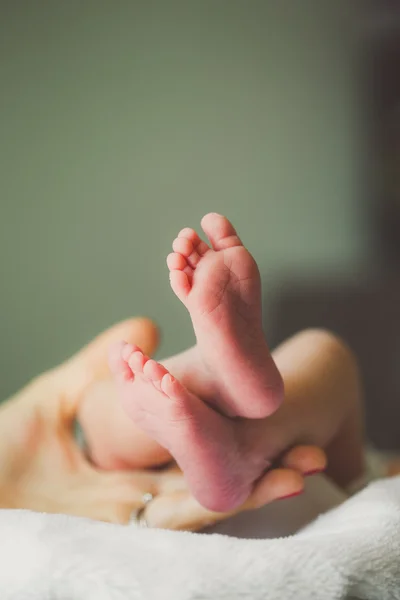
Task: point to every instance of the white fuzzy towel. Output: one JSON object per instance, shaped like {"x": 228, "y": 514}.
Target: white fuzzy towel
{"x": 352, "y": 551}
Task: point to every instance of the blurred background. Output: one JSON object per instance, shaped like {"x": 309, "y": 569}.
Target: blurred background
{"x": 122, "y": 122}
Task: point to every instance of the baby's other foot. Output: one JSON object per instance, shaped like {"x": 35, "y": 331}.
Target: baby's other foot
{"x": 221, "y": 288}
{"x": 218, "y": 462}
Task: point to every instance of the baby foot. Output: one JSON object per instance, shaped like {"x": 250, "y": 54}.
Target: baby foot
{"x": 218, "y": 458}
{"x": 221, "y": 288}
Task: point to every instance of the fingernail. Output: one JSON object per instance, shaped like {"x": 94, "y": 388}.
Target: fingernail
{"x": 313, "y": 472}
{"x": 291, "y": 495}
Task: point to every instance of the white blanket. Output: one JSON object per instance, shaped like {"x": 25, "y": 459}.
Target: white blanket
{"x": 352, "y": 551}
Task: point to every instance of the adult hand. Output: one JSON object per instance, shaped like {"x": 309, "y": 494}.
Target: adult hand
{"x": 42, "y": 468}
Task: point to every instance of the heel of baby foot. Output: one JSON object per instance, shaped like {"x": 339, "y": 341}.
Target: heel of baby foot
{"x": 271, "y": 395}
{"x": 265, "y": 401}
{"x": 276, "y": 395}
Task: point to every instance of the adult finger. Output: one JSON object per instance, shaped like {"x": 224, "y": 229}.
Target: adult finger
{"x": 91, "y": 363}
{"x": 70, "y": 380}
{"x": 178, "y": 509}
{"x": 308, "y": 460}
{"x": 277, "y": 484}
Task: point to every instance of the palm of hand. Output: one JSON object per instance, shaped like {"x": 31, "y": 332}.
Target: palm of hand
{"x": 43, "y": 469}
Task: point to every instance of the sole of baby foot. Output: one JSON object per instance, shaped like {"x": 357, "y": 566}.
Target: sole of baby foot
{"x": 219, "y": 467}
{"x": 220, "y": 286}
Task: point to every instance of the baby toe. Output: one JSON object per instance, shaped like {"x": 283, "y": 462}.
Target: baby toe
{"x": 137, "y": 360}
{"x": 183, "y": 246}
{"x": 176, "y": 262}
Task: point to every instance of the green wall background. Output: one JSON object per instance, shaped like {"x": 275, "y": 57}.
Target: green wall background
{"x": 122, "y": 122}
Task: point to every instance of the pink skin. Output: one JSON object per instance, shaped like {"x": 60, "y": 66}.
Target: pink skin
{"x": 230, "y": 369}
{"x": 206, "y": 445}
{"x": 221, "y": 289}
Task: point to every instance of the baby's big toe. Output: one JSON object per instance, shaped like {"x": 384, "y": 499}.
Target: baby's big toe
{"x": 117, "y": 361}
{"x": 220, "y": 232}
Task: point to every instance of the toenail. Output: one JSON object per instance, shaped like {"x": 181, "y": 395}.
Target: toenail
{"x": 148, "y": 497}
{"x": 291, "y": 495}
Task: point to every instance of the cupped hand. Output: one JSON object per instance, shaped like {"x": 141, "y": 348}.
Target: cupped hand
{"x": 42, "y": 467}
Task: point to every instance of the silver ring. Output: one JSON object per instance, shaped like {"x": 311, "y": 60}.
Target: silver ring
{"x": 137, "y": 515}
{"x": 146, "y": 498}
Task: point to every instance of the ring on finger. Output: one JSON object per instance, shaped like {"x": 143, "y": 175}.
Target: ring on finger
{"x": 137, "y": 515}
